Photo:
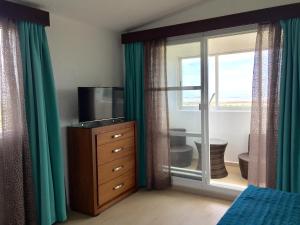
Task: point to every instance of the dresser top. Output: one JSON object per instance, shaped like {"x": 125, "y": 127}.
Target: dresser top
{"x": 99, "y": 123}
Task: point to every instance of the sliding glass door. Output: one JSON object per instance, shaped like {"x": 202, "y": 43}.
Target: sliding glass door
{"x": 232, "y": 55}
{"x": 187, "y": 108}
{"x": 209, "y": 97}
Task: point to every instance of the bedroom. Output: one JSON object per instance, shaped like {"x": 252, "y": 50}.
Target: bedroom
{"x": 70, "y": 170}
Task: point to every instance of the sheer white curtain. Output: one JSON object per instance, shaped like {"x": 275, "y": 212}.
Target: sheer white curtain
{"x": 265, "y": 102}
{"x": 16, "y": 190}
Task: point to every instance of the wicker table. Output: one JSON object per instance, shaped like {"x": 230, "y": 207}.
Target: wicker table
{"x": 217, "y": 163}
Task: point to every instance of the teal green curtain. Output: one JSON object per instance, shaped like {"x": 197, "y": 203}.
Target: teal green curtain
{"x": 288, "y": 164}
{"x": 134, "y": 101}
{"x": 43, "y": 124}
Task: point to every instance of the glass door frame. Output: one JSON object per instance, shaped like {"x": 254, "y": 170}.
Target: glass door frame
{"x": 206, "y": 36}
{"x": 204, "y": 106}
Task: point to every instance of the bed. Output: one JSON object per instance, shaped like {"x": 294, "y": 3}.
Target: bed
{"x": 263, "y": 206}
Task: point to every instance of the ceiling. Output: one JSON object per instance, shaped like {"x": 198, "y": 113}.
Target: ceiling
{"x": 118, "y": 15}
{"x": 220, "y": 45}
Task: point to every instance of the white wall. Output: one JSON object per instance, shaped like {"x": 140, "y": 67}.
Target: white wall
{"x": 234, "y": 127}
{"x": 215, "y": 8}
{"x": 82, "y": 55}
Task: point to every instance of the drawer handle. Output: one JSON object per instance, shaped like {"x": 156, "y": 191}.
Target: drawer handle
{"x": 117, "y": 150}
{"x": 117, "y": 168}
{"x": 118, "y": 186}
{"x": 117, "y": 135}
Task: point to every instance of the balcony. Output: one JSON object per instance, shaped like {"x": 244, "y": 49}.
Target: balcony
{"x": 228, "y": 132}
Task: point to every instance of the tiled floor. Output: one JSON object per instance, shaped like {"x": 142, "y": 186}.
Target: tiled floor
{"x": 158, "y": 208}
{"x": 234, "y": 175}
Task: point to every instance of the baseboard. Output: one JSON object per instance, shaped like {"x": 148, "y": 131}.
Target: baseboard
{"x": 198, "y": 187}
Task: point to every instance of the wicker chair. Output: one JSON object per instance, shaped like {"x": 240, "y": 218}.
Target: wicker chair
{"x": 244, "y": 161}
{"x": 181, "y": 153}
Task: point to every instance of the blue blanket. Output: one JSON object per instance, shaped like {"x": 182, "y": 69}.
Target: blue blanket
{"x": 263, "y": 206}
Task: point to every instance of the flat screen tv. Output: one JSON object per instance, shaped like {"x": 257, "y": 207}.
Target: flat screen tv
{"x": 100, "y": 103}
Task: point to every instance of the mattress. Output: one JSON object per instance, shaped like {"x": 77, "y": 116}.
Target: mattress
{"x": 263, "y": 206}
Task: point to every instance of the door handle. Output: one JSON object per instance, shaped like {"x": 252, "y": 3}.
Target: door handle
{"x": 117, "y": 150}
{"x": 117, "y": 135}
{"x": 118, "y": 186}
{"x": 116, "y": 169}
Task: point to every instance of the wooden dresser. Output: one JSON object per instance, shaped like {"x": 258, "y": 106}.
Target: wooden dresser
{"x": 101, "y": 166}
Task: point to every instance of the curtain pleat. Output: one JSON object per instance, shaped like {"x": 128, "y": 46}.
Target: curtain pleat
{"x": 265, "y": 101}
{"x": 16, "y": 185}
{"x": 157, "y": 116}
{"x": 134, "y": 102}
{"x": 288, "y": 166}
{"x": 43, "y": 124}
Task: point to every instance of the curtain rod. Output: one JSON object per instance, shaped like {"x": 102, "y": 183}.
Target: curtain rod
{"x": 266, "y": 15}
{"x": 16, "y": 11}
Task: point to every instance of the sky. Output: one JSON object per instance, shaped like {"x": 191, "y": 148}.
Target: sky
{"x": 235, "y": 76}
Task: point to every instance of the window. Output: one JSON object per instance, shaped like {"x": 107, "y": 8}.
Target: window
{"x": 230, "y": 81}
{"x": 235, "y": 80}
{"x": 190, "y": 77}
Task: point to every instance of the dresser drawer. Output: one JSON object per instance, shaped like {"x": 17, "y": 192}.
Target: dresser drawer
{"x": 115, "y": 169}
{"x": 115, "y": 187}
{"x": 116, "y": 150}
{"x": 116, "y": 135}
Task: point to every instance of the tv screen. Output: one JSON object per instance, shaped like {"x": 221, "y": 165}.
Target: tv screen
{"x": 98, "y": 103}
